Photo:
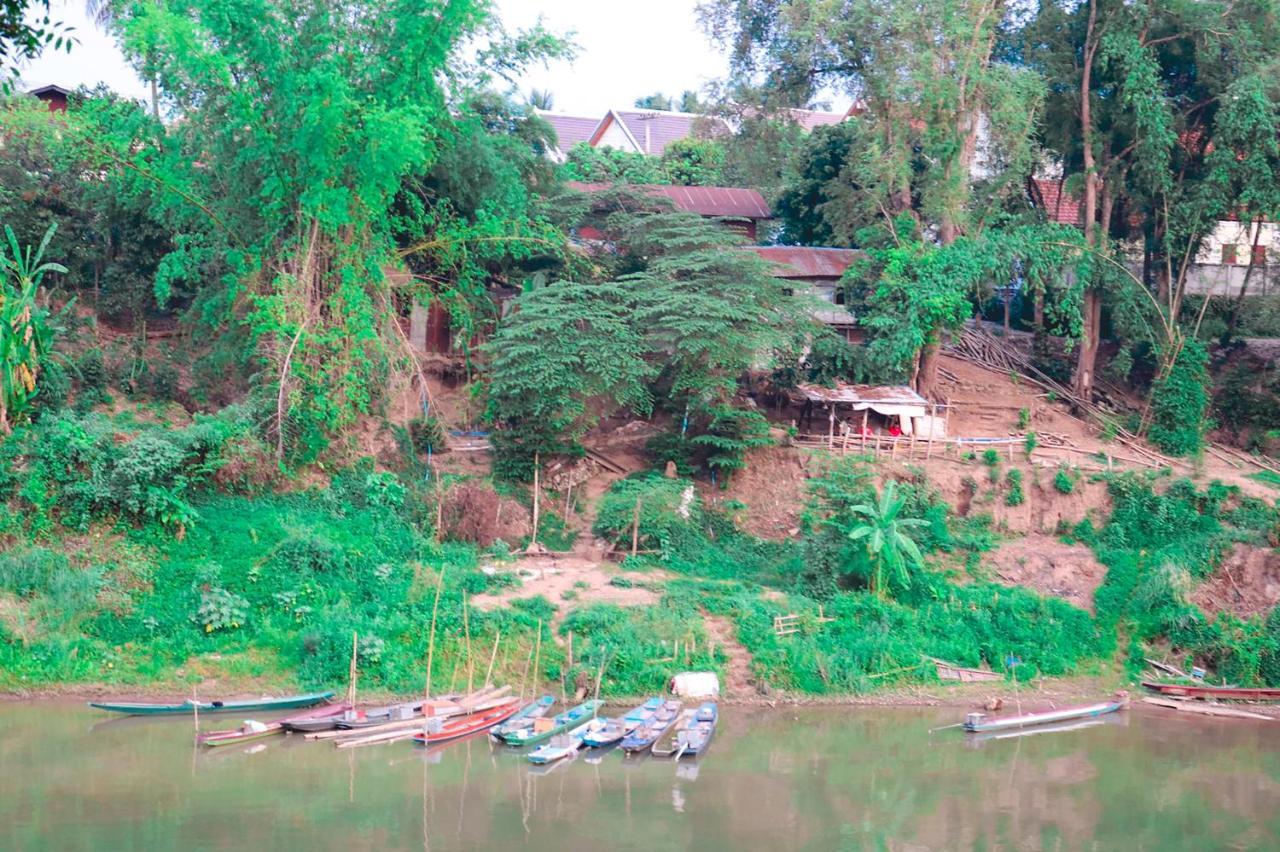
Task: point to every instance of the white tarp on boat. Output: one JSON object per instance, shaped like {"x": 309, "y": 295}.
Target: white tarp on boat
{"x": 696, "y": 685}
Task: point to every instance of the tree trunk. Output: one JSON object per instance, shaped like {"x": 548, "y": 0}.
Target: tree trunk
{"x": 1234, "y": 320}
{"x": 927, "y": 374}
{"x": 1091, "y": 310}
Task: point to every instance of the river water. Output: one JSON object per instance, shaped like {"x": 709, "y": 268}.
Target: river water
{"x": 846, "y": 778}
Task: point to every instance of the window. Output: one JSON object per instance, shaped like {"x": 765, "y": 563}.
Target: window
{"x": 1228, "y": 253}
{"x": 1259, "y": 257}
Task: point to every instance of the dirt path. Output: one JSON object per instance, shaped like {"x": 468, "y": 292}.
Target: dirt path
{"x": 737, "y": 672}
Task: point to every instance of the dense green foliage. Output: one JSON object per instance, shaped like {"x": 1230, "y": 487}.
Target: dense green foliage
{"x": 678, "y": 318}
{"x": 1180, "y": 402}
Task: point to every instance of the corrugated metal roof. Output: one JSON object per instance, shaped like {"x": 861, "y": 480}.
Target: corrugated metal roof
{"x": 717, "y": 201}
{"x": 570, "y": 129}
{"x": 807, "y": 261}
{"x": 844, "y": 393}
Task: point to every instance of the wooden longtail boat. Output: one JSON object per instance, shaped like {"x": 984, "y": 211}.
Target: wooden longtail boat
{"x": 252, "y": 730}
{"x": 525, "y": 718}
{"x": 545, "y": 729}
{"x": 979, "y": 722}
{"x": 291, "y": 702}
{"x": 564, "y": 745}
{"x": 1204, "y": 690}
{"x": 440, "y": 730}
{"x": 665, "y": 745}
{"x": 695, "y": 739}
{"x": 614, "y": 729}
{"x": 950, "y": 671}
{"x": 380, "y": 715}
{"x": 643, "y": 737}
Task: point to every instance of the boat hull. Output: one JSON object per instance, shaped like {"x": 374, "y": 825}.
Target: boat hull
{"x": 1238, "y": 693}
{"x": 565, "y": 721}
{"x": 465, "y": 727}
{"x": 292, "y": 702}
{"x": 976, "y": 724}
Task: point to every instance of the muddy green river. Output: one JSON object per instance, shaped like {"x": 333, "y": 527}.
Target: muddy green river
{"x": 74, "y": 779}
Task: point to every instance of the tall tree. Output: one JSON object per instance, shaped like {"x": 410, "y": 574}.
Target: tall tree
{"x": 932, "y": 90}
{"x": 657, "y": 101}
{"x": 300, "y": 123}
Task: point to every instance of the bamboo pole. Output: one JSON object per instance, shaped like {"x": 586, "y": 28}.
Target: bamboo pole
{"x": 524, "y": 678}
{"x": 946, "y": 419}
{"x": 933, "y": 427}
{"x": 431, "y": 640}
{"x": 466, "y": 632}
{"x": 537, "y": 466}
{"x": 831, "y": 428}
{"x": 599, "y": 677}
{"x": 537, "y": 656}
{"x": 492, "y": 658}
{"x": 570, "y": 649}
{"x": 635, "y": 528}
{"x": 865, "y": 412}
{"x": 351, "y": 677}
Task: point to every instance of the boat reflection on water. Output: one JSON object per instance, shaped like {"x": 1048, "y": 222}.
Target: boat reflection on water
{"x": 687, "y": 770}
{"x": 980, "y": 739}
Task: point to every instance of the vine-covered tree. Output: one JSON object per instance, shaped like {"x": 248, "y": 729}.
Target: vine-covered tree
{"x": 300, "y": 123}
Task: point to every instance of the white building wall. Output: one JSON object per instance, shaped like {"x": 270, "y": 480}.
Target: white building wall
{"x": 615, "y": 137}
{"x": 1210, "y": 276}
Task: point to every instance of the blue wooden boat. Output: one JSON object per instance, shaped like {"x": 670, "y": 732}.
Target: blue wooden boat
{"x": 564, "y": 745}
{"x": 525, "y": 718}
{"x": 614, "y": 729}
{"x": 695, "y": 739}
{"x": 291, "y": 702}
{"x": 544, "y": 729}
{"x": 648, "y": 732}
{"x": 979, "y": 722}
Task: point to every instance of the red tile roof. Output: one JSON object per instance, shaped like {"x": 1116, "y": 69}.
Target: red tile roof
{"x": 570, "y": 129}
{"x": 717, "y": 201}
{"x": 807, "y": 261}
{"x": 810, "y": 119}
{"x": 1057, "y": 204}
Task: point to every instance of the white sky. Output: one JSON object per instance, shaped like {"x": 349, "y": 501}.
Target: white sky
{"x": 626, "y": 50}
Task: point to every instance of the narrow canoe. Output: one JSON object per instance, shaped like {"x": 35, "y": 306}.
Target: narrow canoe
{"x": 643, "y": 737}
{"x": 439, "y": 731}
{"x": 291, "y": 702}
{"x": 1239, "y": 693}
{"x": 525, "y": 718}
{"x": 978, "y": 722}
{"x": 539, "y": 734}
{"x": 251, "y": 730}
{"x": 614, "y": 729}
{"x": 564, "y": 745}
{"x": 695, "y": 739}
{"x": 666, "y": 744}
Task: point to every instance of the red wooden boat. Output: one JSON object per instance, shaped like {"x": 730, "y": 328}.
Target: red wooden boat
{"x": 440, "y": 730}
{"x": 1198, "y": 690}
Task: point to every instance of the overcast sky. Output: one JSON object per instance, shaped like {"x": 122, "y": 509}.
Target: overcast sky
{"x": 627, "y": 50}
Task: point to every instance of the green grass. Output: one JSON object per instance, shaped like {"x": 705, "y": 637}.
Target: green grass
{"x": 1267, "y": 477}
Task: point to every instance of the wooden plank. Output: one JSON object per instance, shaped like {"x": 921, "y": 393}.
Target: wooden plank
{"x": 1206, "y": 709}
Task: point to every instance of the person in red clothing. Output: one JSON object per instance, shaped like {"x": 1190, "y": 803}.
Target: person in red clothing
{"x": 895, "y": 431}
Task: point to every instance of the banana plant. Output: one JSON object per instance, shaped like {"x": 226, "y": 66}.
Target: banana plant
{"x": 25, "y": 334}
{"x": 883, "y": 534}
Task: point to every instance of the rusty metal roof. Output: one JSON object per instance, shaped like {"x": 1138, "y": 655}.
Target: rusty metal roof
{"x": 847, "y": 394}
{"x": 807, "y": 261}
{"x": 720, "y": 201}
{"x": 1058, "y": 204}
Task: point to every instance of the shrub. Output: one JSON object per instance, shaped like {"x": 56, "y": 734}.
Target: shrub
{"x": 221, "y": 610}
{"x": 426, "y": 435}
{"x": 470, "y": 513}
{"x": 1015, "y": 495}
{"x": 1064, "y": 481}
{"x": 1029, "y": 443}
